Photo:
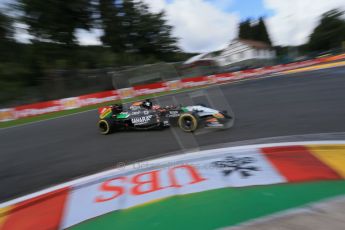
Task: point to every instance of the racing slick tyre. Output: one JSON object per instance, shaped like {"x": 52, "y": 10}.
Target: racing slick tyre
{"x": 105, "y": 126}
{"x": 188, "y": 122}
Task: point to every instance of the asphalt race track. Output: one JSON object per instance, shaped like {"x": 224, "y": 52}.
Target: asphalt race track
{"x": 38, "y": 155}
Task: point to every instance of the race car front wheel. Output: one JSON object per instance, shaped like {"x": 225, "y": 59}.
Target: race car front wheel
{"x": 188, "y": 122}
{"x": 105, "y": 127}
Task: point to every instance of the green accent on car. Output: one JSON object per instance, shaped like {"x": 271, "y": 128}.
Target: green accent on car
{"x": 122, "y": 116}
{"x": 218, "y": 208}
{"x": 184, "y": 109}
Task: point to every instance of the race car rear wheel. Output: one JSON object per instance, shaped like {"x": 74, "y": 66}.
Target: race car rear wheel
{"x": 188, "y": 122}
{"x": 105, "y": 126}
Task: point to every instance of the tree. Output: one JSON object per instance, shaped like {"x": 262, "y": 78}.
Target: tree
{"x": 258, "y": 31}
{"x": 164, "y": 40}
{"x": 245, "y": 30}
{"x": 111, "y": 24}
{"x": 330, "y": 33}
{"x": 261, "y": 33}
{"x": 8, "y": 47}
{"x": 130, "y": 27}
{"x": 56, "y": 20}
{"x": 6, "y": 31}
{"x": 155, "y": 35}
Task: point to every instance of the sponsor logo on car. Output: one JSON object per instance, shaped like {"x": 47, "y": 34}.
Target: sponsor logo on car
{"x": 141, "y": 120}
{"x": 135, "y": 112}
{"x": 173, "y": 114}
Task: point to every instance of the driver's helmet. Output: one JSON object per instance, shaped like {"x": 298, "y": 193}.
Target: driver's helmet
{"x": 116, "y": 109}
{"x": 147, "y": 104}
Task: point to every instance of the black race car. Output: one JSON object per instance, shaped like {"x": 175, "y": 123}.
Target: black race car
{"x": 146, "y": 116}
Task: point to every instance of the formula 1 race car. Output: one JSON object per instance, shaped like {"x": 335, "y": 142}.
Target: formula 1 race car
{"x": 146, "y": 116}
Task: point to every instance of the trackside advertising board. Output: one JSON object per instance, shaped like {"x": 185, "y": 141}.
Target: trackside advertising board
{"x": 145, "y": 182}
{"x": 30, "y": 110}
{"x": 57, "y": 105}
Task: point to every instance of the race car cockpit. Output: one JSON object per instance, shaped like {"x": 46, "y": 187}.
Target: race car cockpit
{"x": 147, "y": 104}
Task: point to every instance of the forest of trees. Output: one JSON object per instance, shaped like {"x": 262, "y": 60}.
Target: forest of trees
{"x": 132, "y": 35}
{"x": 129, "y": 26}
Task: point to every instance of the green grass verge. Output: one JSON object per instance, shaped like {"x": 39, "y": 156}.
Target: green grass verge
{"x": 217, "y": 208}
{"x": 86, "y": 108}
